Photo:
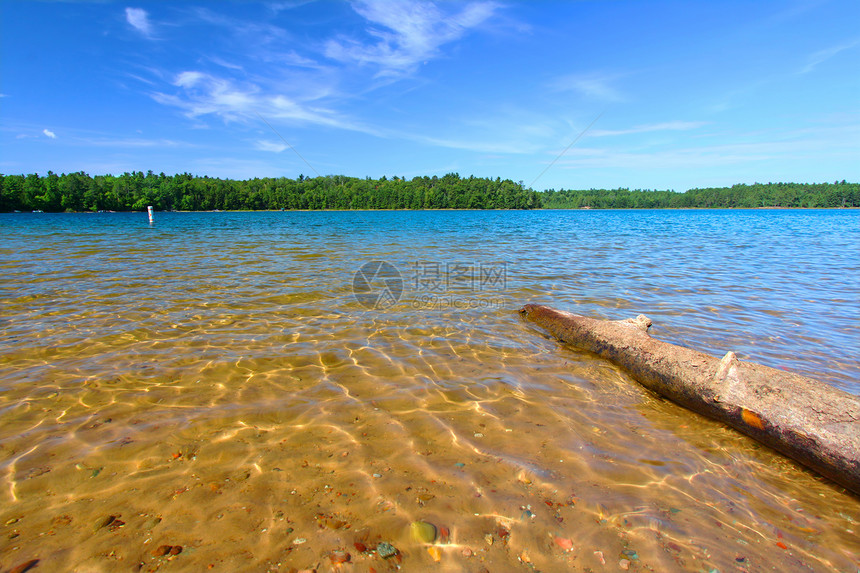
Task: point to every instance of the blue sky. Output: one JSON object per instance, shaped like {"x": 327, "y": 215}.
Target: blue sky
{"x": 668, "y": 95}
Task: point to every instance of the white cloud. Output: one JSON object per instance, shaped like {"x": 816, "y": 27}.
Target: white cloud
{"x": 139, "y": 19}
{"x": 798, "y": 147}
{"x": 477, "y": 146}
{"x": 666, "y": 126}
{"x": 593, "y": 86}
{"x": 280, "y": 6}
{"x": 132, "y": 142}
{"x": 406, "y": 33}
{"x": 203, "y": 94}
{"x": 225, "y": 64}
{"x": 188, "y": 79}
{"x": 49, "y": 133}
{"x": 822, "y": 56}
{"x": 273, "y": 146}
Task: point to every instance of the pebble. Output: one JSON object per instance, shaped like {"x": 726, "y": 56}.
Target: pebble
{"x": 360, "y": 547}
{"x": 444, "y": 534}
{"x": 333, "y": 523}
{"x": 339, "y": 557}
{"x": 61, "y": 520}
{"x": 299, "y": 540}
{"x": 377, "y": 475}
{"x": 25, "y": 566}
{"x": 163, "y": 550}
{"x": 489, "y": 539}
{"x": 104, "y": 522}
{"x": 599, "y": 555}
{"x": 13, "y": 520}
{"x": 467, "y": 553}
{"x": 386, "y": 550}
{"x": 435, "y": 553}
{"x": 630, "y": 554}
{"x": 460, "y": 464}
{"x": 565, "y": 543}
{"x": 624, "y": 564}
{"x": 423, "y": 532}
{"x": 524, "y": 557}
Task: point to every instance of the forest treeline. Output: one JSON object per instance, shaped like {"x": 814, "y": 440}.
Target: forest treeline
{"x": 185, "y": 192}
{"x": 837, "y": 194}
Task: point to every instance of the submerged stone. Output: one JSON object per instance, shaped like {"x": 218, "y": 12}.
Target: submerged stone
{"x": 423, "y": 532}
{"x": 386, "y": 550}
{"x": 103, "y": 522}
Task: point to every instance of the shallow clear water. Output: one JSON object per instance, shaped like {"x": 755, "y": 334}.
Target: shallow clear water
{"x": 213, "y": 382}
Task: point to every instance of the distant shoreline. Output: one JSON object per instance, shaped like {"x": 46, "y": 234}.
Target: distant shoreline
{"x": 81, "y": 192}
{"x": 442, "y": 209}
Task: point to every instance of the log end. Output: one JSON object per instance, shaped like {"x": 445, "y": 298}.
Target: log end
{"x": 641, "y": 322}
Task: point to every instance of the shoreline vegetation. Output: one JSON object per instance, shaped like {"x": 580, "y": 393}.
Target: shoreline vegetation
{"x": 80, "y": 192}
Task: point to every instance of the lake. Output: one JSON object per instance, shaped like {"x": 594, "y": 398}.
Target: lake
{"x": 273, "y": 390}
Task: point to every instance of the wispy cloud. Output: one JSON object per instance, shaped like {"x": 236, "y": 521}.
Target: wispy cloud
{"x": 406, "y": 33}
{"x": 49, "y": 133}
{"x": 822, "y": 56}
{"x": 200, "y": 94}
{"x": 302, "y": 90}
{"x": 592, "y": 86}
{"x": 131, "y": 142}
{"x": 280, "y": 6}
{"x": 666, "y": 126}
{"x": 496, "y": 130}
{"x": 225, "y": 64}
{"x": 475, "y": 145}
{"x": 254, "y": 32}
{"x": 797, "y": 146}
{"x": 273, "y": 146}
{"x": 139, "y": 19}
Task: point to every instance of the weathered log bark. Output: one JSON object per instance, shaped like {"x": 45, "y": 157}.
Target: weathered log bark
{"x": 805, "y": 419}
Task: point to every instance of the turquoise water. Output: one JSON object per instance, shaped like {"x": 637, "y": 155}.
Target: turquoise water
{"x": 248, "y": 387}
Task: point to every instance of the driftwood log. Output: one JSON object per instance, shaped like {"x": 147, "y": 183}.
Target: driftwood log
{"x": 807, "y": 420}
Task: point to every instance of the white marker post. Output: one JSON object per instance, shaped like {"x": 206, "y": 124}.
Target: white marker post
{"x": 149, "y": 210}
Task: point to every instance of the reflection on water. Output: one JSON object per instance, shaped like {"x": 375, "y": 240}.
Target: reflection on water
{"x": 210, "y": 383}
